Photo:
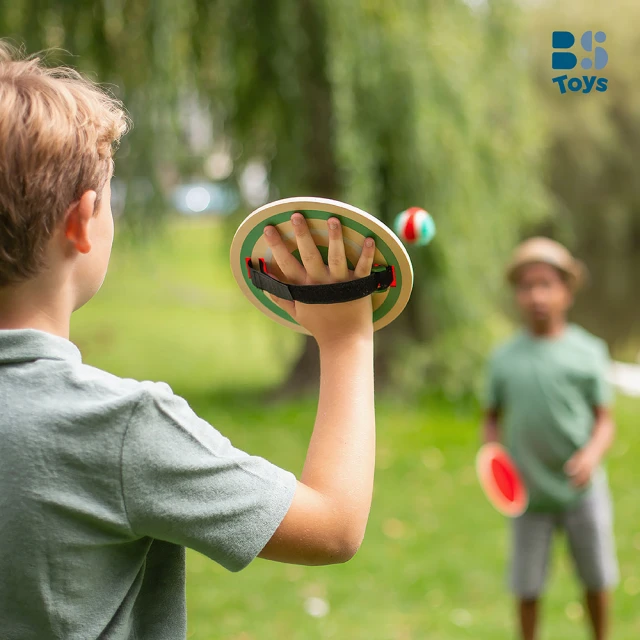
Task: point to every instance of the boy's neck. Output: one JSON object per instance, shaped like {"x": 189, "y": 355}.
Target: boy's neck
{"x": 19, "y": 310}
{"x": 553, "y": 330}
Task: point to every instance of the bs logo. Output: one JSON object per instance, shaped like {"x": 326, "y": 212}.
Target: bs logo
{"x": 567, "y": 60}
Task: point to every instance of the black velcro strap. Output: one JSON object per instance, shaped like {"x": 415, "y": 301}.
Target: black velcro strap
{"x": 379, "y": 280}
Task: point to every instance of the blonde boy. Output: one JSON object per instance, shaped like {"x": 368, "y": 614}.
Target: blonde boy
{"x": 104, "y": 481}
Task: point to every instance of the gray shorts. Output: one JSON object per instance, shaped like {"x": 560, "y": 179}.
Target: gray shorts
{"x": 589, "y": 530}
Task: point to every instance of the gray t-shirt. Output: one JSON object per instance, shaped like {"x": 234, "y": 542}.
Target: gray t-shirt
{"x": 103, "y": 483}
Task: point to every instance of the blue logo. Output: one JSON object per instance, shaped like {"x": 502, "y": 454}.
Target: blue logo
{"x": 562, "y": 58}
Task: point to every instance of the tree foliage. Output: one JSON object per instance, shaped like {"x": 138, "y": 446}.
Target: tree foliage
{"x": 383, "y": 105}
{"x": 390, "y": 105}
{"x": 592, "y": 161}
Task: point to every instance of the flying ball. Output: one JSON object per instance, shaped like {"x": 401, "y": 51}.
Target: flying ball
{"x": 415, "y": 226}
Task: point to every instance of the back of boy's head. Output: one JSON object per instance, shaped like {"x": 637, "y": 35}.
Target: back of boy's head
{"x": 58, "y": 132}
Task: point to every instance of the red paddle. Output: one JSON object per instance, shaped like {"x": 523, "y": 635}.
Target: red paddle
{"x": 500, "y": 480}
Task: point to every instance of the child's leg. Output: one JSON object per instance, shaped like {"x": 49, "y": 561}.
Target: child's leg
{"x": 598, "y": 608}
{"x": 532, "y": 534}
{"x": 528, "y": 614}
{"x": 589, "y": 528}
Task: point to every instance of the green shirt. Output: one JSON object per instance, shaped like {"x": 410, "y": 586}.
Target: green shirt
{"x": 103, "y": 483}
{"x": 546, "y": 391}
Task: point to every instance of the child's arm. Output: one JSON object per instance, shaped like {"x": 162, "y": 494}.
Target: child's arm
{"x": 327, "y": 519}
{"x": 491, "y": 426}
{"x": 492, "y": 403}
{"x": 600, "y": 396}
{"x": 585, "y": 461}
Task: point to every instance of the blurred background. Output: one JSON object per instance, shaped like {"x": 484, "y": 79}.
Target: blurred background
{"x": 386, "y": 104}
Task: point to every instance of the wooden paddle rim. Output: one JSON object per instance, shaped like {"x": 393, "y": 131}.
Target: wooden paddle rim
{"x": 249, "y": 243}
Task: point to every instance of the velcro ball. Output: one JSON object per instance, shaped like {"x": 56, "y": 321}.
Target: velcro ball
{"x": 415, "y": 226}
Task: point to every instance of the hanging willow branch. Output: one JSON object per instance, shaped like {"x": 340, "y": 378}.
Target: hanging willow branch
{"x": 385, "y": 105}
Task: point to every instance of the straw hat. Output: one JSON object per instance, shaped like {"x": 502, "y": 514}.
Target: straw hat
{"x": 549, "y": 252}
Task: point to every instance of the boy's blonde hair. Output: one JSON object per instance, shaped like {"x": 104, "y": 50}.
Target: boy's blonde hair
{"x": 58, "y": 132}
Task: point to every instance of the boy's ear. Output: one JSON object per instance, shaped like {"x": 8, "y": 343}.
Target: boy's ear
{"x": 77, "y": 221}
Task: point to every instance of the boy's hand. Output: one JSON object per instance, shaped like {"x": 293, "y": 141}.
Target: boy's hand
{"x": 581, "y": 466}
{"x": 326, "y": 322}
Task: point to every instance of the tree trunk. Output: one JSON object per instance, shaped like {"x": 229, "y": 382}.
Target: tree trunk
{"x": 322, "y": 178}
{"x": 324, "y": 181}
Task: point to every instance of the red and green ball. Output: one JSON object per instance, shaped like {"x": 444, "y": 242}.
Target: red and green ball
{"x": 415, "y": 226}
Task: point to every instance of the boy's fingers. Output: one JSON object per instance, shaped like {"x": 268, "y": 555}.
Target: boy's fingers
{"x": 292, "y": 269}
{"x": 287, "y": 305}
{"x": 337, "y": 259}
{"x": 309, "y": 254}
{"x": 363, "y": 268}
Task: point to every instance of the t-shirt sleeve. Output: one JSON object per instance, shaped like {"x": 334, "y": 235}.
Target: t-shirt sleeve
{"x": 493, "y": 396}
{"x": 183, "y": 482}
{"x": 600, "y": 391}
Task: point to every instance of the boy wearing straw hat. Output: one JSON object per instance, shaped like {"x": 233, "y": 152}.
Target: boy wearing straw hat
{"x": 547, "y": 400}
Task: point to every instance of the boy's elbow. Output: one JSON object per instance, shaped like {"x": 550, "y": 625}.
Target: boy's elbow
{"x": 351, "y": 545}
{"x": 350, "y": 539}
{"x": 612, "y": 432}
{"x": 340, "y": 529}
{"x": 343, "y": 550}
{"x": 342, "y": 541}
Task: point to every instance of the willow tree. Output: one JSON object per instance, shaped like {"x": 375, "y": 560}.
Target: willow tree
{"x": 389, "y": 105}
{"x": 383, "y": 105}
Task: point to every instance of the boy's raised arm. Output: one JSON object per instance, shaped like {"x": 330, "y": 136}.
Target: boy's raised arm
{"x": 328, "y": 516}
{"x": 327, "y": 519}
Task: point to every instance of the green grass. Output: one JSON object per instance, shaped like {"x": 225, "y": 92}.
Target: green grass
{"x": 433, "y": 562}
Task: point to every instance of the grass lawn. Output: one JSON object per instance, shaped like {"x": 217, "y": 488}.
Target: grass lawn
{"x": 433, "y": 562}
